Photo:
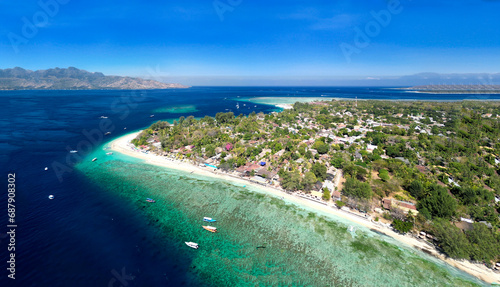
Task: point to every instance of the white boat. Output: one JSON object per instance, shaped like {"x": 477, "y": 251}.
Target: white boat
{"x": 192, "y": 245}
{"x": 73, "y": 151}
{"x": 151, "y": 116}
{"x": 103, "y": 117}
{"x": 95, "y": 158}
{"x": 46, "y": 168}
{"x": 108, "y": 133}
{"x": 109, "y": 153}
{"x": 210, "y": 228}
{"x": 237, "y": 106}
{"x": 51, "y": 196}
{"x": 209, "y": 219}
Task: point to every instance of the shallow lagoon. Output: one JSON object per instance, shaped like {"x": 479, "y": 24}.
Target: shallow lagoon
{"x": 284, "y": 100}
{"x": 183, "y": 109}
{"x": 303, "y": 248}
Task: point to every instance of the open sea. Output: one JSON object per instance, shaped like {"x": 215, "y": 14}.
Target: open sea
{"x": 99, "y": 230}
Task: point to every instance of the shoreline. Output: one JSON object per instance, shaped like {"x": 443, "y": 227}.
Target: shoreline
{"x": 123, "y": 145}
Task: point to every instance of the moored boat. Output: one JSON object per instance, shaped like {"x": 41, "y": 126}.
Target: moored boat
{"x": 192, "y": 245}
{"x": 208, "y": 219}
{"x": 95, "y": 158}
{"x": 109, "y": 153}
{"x": 150, "y": 200}
{"x": 210, "y": 228}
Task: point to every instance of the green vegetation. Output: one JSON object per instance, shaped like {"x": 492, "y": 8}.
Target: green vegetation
{"x": 383, "y": 174}
{"x": 437, "y": 202}
{"x": 357, "y": 189}
{"x": 441, "y": 157}
{"x": 402, "y": 226}
{"x": 326, "y": 194}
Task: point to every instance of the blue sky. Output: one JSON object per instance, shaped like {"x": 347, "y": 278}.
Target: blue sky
{"x": 226, "y": 42}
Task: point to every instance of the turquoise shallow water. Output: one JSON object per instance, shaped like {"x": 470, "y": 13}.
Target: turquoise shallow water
{"x": 183, "y": 109}
{"x": 303, "y": 248}
{"x": 284, "y": 100}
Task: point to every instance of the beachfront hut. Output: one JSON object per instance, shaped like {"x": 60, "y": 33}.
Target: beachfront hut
{"x": 336, "y": 195}
{"x": 259, "y": 179}
{"x": 387, "y": 203}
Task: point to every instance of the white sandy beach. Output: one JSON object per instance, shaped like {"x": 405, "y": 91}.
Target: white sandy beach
{"x": 480, "y": 271}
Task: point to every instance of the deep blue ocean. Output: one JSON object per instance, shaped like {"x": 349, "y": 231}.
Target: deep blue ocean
{"x": 87, "y": 236}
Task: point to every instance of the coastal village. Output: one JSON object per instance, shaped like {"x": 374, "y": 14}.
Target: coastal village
{"x": 427, "y": 169}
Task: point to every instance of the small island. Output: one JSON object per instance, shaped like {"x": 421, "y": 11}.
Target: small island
{"x": 456, "y": 89}
{"x": 429, "y": 169}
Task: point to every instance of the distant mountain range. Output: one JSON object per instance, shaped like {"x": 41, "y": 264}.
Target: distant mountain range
{"x": 73, "y": 79}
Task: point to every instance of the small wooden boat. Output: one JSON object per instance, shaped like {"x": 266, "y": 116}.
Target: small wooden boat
{"x": 208, "y": 219}
{"x": 150, "y": 200}
{"x": 210, "y": 228}
{"x": 95, "y": 158}
{"x": 192, "y": 245}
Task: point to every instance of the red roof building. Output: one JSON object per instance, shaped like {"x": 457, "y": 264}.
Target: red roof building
{"x": 387, "y": 203}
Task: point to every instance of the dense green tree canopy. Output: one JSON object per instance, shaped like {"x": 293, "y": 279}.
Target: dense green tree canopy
{"x": 402, "y": 226}
{"x": 319, "y": 171}
{"x": 452, "y": 239}
{"x": 383, "y": 174}
{"x": 357, "y": 189}
{"x": 484, "y": 246}
{"x": 438, "y": 202}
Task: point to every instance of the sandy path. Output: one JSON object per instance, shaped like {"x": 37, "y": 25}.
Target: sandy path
{"x": 123, "y": 146}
